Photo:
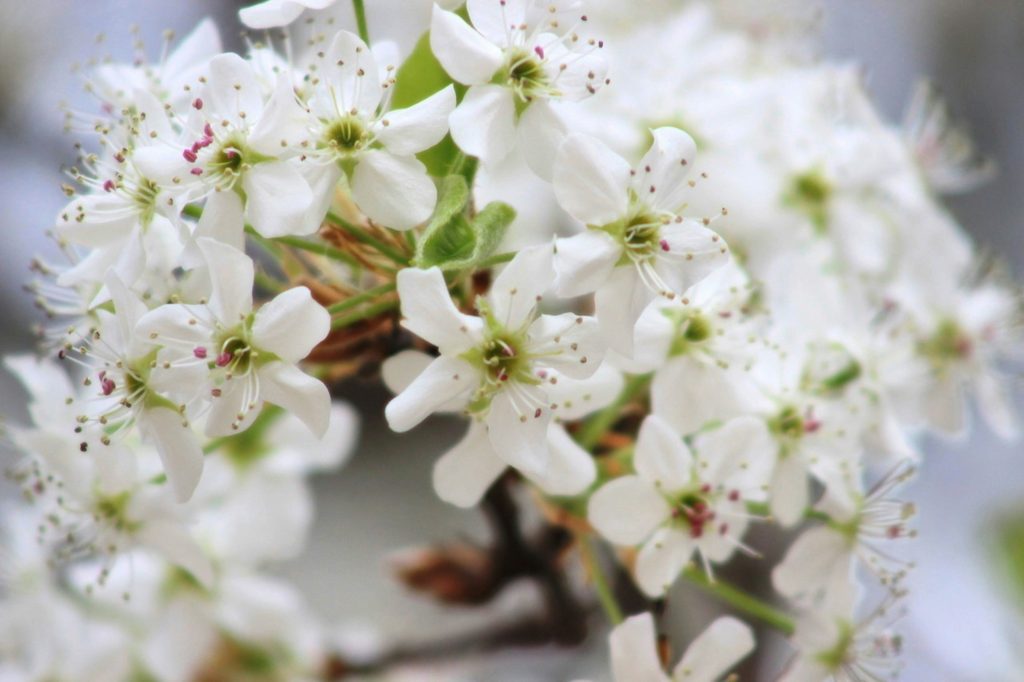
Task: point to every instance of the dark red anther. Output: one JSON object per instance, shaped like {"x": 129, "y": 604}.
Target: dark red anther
{"x": 208, "y": 130}
{"x": 197, "y": 103}
{"x": 539, "y": 50}
{"x": 108, "y": 186}
{"x": 196, "y": 171}
{"x": 664, "y": 244}
{"x": 706, "y": 488}
{"x": 107, "y": 385}
{"x": 189, "y": 155}
{"x": 199, "y": 352}
{"x": 224, "y": 358}
{"x": 537, "y": 413}
{"x": 734, "y": 495}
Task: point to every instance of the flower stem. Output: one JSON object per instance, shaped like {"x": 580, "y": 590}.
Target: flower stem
{"x": 360, "y": 12}
{"x": 366, "y": 238}
{"x": 496, "y": 259}
{"x": 320, "y": 249}
{"x": 595, "y": 427}
{"x": 365, "y": 313}
{"x": 588, "y": 552}
{"x": 353, "y": 301}
{"x": 741, "y": 601}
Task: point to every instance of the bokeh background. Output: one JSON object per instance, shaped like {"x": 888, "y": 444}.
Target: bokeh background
{"x": 966, "y": 620}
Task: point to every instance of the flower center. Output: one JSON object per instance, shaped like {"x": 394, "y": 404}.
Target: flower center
{"x": 346, "y": 135}
{"x": 693, "y": 511}
{"x": 948, "y": 344}
{"x": 790, "y": 425}
{"x": 640, "y": 236}
{"x": 524, "y": 73}
{"x": 809, "y": 193}
{"x": 236, "y": 355}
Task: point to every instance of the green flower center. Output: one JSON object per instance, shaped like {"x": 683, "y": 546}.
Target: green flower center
{"x": 524, "y": 73}
{"x": 947, "y": 345}
{"x": 790, "y": 425}
{"x": 113, "y": 509}
{"x": 346, "y": 135}
{"x": 810, "y": 193}
{"x": 692, "y": 511}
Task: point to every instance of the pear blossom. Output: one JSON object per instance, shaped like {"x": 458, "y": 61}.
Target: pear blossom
{"x": 497, "y": 366}
{"x": 518, "y": 58}
{"x": 245, "y": 357}
{"x": 637, "y": 245}
{"x": 352, "y": 133}
{"x": 678, "y": 504}
{"x": 235, "y": 149}
{"x": 709, "y": 657}
{"x": 823, "y": 556}
{"x": 274, "y": 13}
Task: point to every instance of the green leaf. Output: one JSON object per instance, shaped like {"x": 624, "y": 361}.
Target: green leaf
{"x": 453, "y": 242}
{"x": 419, "y": 77}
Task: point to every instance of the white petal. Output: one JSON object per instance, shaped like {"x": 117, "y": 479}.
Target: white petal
{"x": 196, "y": 49}
{"x": 627, "y": 509}
{"x": 662, "y": 559}
{"x": 162, "y": 164}
{"x": 541, "y": 132}
{"x": 421, "y": 126}
{"x": 394, "y": 191}
{"x": 231, "y": 277}
{"x": 945, "y": 407}
{"x": 493, "y": 18}
{"x": 277, "y": 199}
{"x": 352, "y": 70}
{"x": 619, "y": 303}
{"x": 464, "y": 473}
{"x": 173, "y": 325}
{"x": 484, "y": 123}
{"x": 223, "y": 417}
{"x": 519, "y": 433}
{"x": 323, "y": 183}
{"x": 232, "y": 88}
{"x": 283, "y": 123}
{"x": 223, "y": 220}
{"x": 669, "y": 159}
{"x": 519, "y": 288}
{"x": 995, "y": 403}
{"x": 178, "y": 446}
{"x": 690, "y": 252}
{"x": 805, "y": 668}
{"x": 789, "y": 493}
{"x": 591, "y": 181}
{"x": 445, "y": 380}
{"x": 584, "y": 262}
{"x": 428, "y": 312}
{"x": 401, "y": 369}
{"x": 740, "y": 454}
{"x": 307, "y": 398}
{"x": 291, "y": 324}
{"x": 177, "y": 546}
{"x": 689, "y": 394}
{"x": 466, "y": 55}
{"x": 270, "y": 14}
{"x": 661, "y": 457}
{"x": 576, "y": 398}
{"x": 655, "y": 332}
{"x": 809, "y": 562}
{"x": 568, "y": 343}
{"x": 570, "y": 469}
{"x": 634, "y": 653}
{"x": 721, "y": 646}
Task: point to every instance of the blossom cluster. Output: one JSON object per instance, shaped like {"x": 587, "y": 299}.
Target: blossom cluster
{"x": 712, "y": 293}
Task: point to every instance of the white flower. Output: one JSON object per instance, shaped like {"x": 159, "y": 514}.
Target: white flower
{"x": 132, "y": 390}
{"x": 833, "y": 647}
{"x": 497, "y": 367}
{"x": 942, "y": 145}
{"x": 678, "y": 503}
{"x": 518, "y": 57}
{"x": 244, "y": 356}
{"x": 351, "y": 133}
{"x": 709, "y": 657}
{"x": 274, "y": 13}
{"x": 637, "y": 245}
{"x": 822, "y": 557}
{"x": 234, "y": 148}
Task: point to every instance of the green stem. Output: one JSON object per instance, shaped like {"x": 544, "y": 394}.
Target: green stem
{"x": 741, "y": 601}
{"x": 353, "y": 301}
{"x": 595, "y": 427}
{"x": 588, "y": 551}
{"x": 360, "y": 11}
{"x": 368, "y": 239}
{"x": 365, "y": 313}
{"x": 319, "y": 249}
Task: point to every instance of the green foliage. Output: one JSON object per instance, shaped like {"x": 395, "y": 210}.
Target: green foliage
{"x": 453, "y": 241}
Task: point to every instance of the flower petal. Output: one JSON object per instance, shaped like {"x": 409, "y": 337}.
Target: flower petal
{"x": 540, "y": 132}
{"x": 665, "y": 167}
{"x": 445, "y": 380}
{"x": 789, "y": 492}
{"x": 277, "y": 199}
{"x": 304, "y": 396}
{"x": 484, "y": 123}
{"x": 352, "y": 70}
{"x": 619, "y": 303}
{"x": 519, "y": 288}
{"x": 421, "y": 126}
{"x": 721, "y": 646}
{"x": 584, "y": 262}
{"x": 634, "y": 653}
{"x": 428, "y": 312}
{"x": 467, "y": 56}
{"x": 231, "y": 278}
{"x": 740, "y": 455}
{"x": 568, "y": 343}
{"x": 662, "y": 559}
{"x": 174, "y": 543}
{"x": 178, "y": 447}
{"x": 591, "y": 181}
{"x": 661, "y": 457}
{"x": 810, "y": 561}
{"x": 283, "y": 123}
{"x": 394, "y": 191}
{"x": 464, "y": 473}
{"x": 291, "y": 324}
{"x": 627, "y": 509}
{"x": 570, "y": 469}
{"x": 519, "y": 434}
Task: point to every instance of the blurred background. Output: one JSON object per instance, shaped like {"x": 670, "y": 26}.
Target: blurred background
{"x": 966, "y": 619}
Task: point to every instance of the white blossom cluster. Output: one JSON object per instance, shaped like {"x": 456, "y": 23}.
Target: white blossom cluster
{"x": 715, "y": 291}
